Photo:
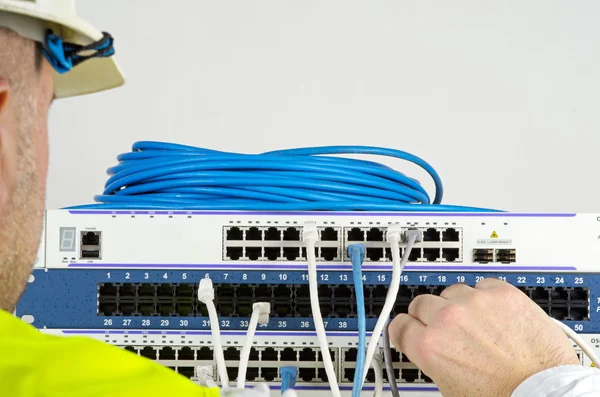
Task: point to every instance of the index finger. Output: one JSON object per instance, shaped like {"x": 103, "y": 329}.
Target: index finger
{"x": 404, "y": 332}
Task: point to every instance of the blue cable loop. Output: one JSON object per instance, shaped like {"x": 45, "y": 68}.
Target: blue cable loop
{"x": 357, "y": 256}
{"x": 288, "y": 377}
{"x": 156, "y": 175}
{"x": 65, "y": 56}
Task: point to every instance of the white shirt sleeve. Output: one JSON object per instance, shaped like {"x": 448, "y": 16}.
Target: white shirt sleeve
{"x": 563, "y": 381}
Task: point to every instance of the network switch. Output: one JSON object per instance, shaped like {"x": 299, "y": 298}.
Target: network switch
{"x": 130, "y": 278}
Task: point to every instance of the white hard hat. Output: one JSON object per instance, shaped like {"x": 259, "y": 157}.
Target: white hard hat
{"x": 34, "y": 19}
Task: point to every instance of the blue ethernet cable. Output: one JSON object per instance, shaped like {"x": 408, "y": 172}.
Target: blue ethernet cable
{"x": 156, "y": 175}
{"x": 288, "y": 377}
{"x": 357, "y": 255}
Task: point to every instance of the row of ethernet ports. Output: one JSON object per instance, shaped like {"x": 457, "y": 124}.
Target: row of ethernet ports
{"x": 264, "y": 363}
{"x": 293, "y": 300}
{"x": 352, "y": 234}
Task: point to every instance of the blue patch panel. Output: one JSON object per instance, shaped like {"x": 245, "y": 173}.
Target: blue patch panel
{"x": 70, "y": 299}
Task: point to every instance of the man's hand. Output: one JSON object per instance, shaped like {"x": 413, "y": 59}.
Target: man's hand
{"x": 481, "y": 341}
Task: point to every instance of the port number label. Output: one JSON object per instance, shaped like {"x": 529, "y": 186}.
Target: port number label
{"x": 381, "y": 277}
{"x": 165, "y": 276}
{"x": 244, "y": 276}
{"x": 244, "y": 324}
{"x": 263, "y": 277}
{"x": 559, "y": 280}
{"x": 460, "y": 279}
{"x": 107, "y": 321}
{"x": 183, "y": 323}
{"x": 164, "y": 323}
{"x": 502, "y": 278}
{"x": 127, "y": 276}
{"x": 282, "y": 324}
{"x": 225, "y": 323}
{"x": 422, "y": 278}
{"x": 225, "y": 276}
{"x": 404, "y": 278}
{"x": 343, "y": 324}
{"x": 184, "y": 276}
{"x": 540, "y": 280}
{"x": 304, "y": 277}
{"x": 324, "y": 277}
{"x": 521, "y": 280}
{"x": 146, "y": 276}
{"x": 108, "y": 275}
{"x": 126, "y": 322}
{"x": 206, "y": 323}
{"x": 304, "y": 324}
{"x": 145, "y": 323}
{"x": 442, "y": 279}
{"x": 283, "y": 277}
{"x": 578, "y": 280}
{"x": 479, "y": 278}
{"x": 343, "y": 277}
{"x": 578, "y": 327}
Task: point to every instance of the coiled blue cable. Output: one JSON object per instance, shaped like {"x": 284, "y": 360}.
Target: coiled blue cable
{"x": 157, "y": 175}
{"x": 357, "y": 255}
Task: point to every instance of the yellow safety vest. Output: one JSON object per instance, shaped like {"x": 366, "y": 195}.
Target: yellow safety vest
{"x": 33, "y": 364}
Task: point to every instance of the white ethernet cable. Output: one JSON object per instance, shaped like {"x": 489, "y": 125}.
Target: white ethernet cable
{"x": 394, "y": 233}
{"x": 378, "y": 368}
{"x": 310, "y": 235}
{"x": 580, "y": 342}
{"x": 206, "y": 295}
{"x": 205, "y": 377}
{"x": 260, "y": 315}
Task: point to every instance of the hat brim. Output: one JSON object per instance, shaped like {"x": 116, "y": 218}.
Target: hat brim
{"x": 93, "y": 75}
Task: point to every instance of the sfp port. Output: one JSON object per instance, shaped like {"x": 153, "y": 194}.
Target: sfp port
{"x": 481, "y": 255}
{"x": 234, "y": 234}
{"x": 431, "y": 234}
{"x": 356, "y": 234}
{"x": 254, "y": 234}
{"x": 506, "y": 255}
{"x": 450, "y": 235}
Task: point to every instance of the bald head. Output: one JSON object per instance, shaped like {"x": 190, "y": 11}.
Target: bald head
{"x": 26, "y": 91}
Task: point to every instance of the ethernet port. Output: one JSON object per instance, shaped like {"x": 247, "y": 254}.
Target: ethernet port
{"x": 107, "y": 308}
{"x": 506, "y": 255}
{"x": 415, "y": 254}
{"x": 349, "y": 374}
{"x": 404, "y": 358}
{"x": 410, "y": 375}
{"x": 127, "y": 290}
{"x": 431, "y": 234}
{"x": 288, "y": 354}
{"x": 540, "y": 295}
{"x": 450, "y": 235}
{"x": 254, "y": 354}
{"x": 282, "y": 291}
{"x": 579, "y": 293}
{"x": 426, "y": 378}
{"x": 184, "y": 290}
{"x": 375, "y": 234}
{"x": 268, "y": 374}
{"x": 90, "y": 238}
{"x": 370, "y": 376}
{"x": 450, "y": 254}
{"x": 262, "y": 292}
{"x": 166, "y": 353}
{"x": 329, "y": 253}
{"x": 131, "y": 349}
{"x": 331, "y": 354}
{"x": 329, "y": 234}
{"x": 306, "y": 374}
{"x": 559, "y": 294}
{"x": 127, "y": 308}
{"x": 282, "y": 308}
{"x": 165, "y": 309}
{"x": 356, "y": 234}
{"x": 396, "y": 375}
{"x": 205, "y": 353}
{"x": 254, "y": 234}
{"x": 291, "y": 253}
{"x": 559, "y": 313}
{"x": 146, "y": 308}
{"x": 350, "y": 355}
{"x": 322, "y": 375}
{"x": 431, "y": 254}
{"x": 291, "y": 234}
{"x": 184, "y": 309}
{"x": 483, "y": 255}
{"x": 185, "y": 353}
{"x": 108, "y": 289}
{"x": 231, "y": 353}
{"x": 146, "y": 290}
{"x": 374, "y": 254}
{"x": 272, "y": 234}
{"x": 232, "y": 373}
{"x": 272, "y": 253}
{"x": 251, "y": 374}
{"x": 303, "y": 252}
{"x": 234, "y": 234}
{"x": 166, "y": 291}
{"x": 269, "y": 354}
{"x": 579, "y": 313}
{"x": 253, "y": 253}
{"x": 188, "y": 372}
{"x": 148, "y": 352}
{"x": 234, "y": 253}
{"x": 307, "y": 354}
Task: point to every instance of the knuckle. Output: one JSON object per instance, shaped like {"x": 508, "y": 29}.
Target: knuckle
{"x": 451, "y": 314}
{"x": 414, "y": 304}
{"x": 427, "y": 346}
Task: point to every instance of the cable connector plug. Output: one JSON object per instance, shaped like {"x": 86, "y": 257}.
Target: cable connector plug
{"x": 418, "y": 234}
{"x": 205, "y": 376}
{"x": 394, "y": 233}
{"x": 357, "y": 249}
{"x": 288, "y": 377}
{"x": 206, "y": 292}
{"x": 264, "y": 310}
{"x": 310, "y": 233}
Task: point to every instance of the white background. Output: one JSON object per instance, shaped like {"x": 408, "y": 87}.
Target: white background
{"x": 501, "y": 97}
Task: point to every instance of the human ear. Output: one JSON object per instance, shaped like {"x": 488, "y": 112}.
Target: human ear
{"x": 8, "y": 147}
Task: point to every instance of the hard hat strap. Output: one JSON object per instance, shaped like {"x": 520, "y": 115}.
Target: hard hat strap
{"x": 65, "y": 56}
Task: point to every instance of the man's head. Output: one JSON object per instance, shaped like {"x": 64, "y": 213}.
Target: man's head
{"x": 26, "y": 92}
